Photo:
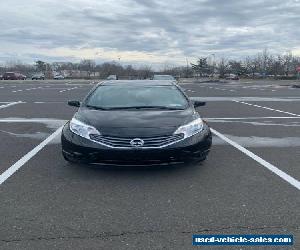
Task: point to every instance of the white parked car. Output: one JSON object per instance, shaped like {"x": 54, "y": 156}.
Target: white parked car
{"x": 112, "y": 77}
{"x": 164, "y": 77}
{"x": 232, "y": 77}
{"x": 38, "y": 76}
{"x": 58, "y": 77}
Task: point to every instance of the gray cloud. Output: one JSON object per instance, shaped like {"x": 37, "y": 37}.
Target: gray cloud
{"x": 185, "y": 28}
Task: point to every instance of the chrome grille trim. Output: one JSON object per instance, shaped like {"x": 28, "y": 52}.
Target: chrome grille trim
{"x": 149, "y": 142}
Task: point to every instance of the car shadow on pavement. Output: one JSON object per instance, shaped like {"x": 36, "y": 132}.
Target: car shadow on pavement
{"x": 115, "y": 169}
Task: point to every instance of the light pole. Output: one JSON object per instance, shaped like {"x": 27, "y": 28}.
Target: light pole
{"x": 187, "y": 67}
{"x": 213, "y": 62}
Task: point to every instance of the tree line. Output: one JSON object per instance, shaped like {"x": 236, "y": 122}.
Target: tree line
{"x": 84, "y": 69}
{"x": 263, "y": 64}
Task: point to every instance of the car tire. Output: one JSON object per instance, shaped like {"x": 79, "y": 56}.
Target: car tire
{"x": 72, "y": 160}
{"x": 200, "y": 160}
{"x": 68, "y": 158}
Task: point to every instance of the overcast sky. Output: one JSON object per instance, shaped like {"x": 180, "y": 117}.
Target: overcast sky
{"x": 144, "y": 31}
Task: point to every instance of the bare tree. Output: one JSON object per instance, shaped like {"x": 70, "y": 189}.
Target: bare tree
{"x": 145, "y": 72}
{"x": 237, "y": 67}
{"x": 40, "y": 66}
{"x": 223, "y": 67}
{"x": 88, "y": 66}
{"x": 201, "y": 67}
{"x": 287, "y": 62}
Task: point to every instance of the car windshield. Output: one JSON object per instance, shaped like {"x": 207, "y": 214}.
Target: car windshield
{"x": 136, "y": 97}
{"x": 163, "y": 77}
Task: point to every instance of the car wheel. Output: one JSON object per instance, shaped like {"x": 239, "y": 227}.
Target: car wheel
{"x": 69, "y": 158}
{"x": 201, "y": 158}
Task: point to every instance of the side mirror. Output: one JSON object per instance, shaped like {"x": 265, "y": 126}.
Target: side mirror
{"x": 74, "y": 103}
{"x": 198, "y": 104}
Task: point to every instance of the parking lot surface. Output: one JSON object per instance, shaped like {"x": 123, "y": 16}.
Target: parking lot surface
{"x": 248, "y": 185}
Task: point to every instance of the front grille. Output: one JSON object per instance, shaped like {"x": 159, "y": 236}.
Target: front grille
{"x": 149, "y": 142}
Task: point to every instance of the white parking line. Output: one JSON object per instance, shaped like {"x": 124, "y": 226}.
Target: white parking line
{"x": 15, "y": 167}
{"x": 20, "y": 90}
{"x": 248, "y": 118}
{"x": 10, "y": 104}
{"x": 29, "y": 120}
{"x": 263, "y": 107}
{"x": 261, "y": 161}
{"x": 67, "y": 89}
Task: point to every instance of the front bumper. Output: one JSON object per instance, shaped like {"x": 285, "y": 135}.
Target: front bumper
{"x": 83, "y": 150}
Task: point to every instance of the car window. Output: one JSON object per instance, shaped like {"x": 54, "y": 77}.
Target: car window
{"x": 163, "y": 77}
{"x": 111, "y": 96}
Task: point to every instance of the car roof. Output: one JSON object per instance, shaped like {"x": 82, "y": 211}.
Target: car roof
{"x": 162, "y": 75}
{"x": 139, "y": 82}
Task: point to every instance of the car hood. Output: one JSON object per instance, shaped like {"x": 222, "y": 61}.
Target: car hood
{"x": 136, "y": 123}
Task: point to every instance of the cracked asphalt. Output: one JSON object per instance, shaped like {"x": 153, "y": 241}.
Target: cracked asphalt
{"x": 51, "y": 204}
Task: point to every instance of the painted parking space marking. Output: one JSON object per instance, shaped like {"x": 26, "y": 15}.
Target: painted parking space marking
{"x": 10, "y": 104}
{"x": 34, "y": 88}
{"x": 20, "y": 90}
{"x": 245, "y": 98}
{"x": 64, "y": 90}
{"x": 218, "y": 88}
{"x": 249, "y": 118}
{"x": 15, "y": 167}
{"x": 267, "y": 108}
{"x": 291, "y": 180}
{"x": 30, "y": 120}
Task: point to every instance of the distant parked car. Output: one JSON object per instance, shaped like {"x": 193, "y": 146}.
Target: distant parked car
{"x": 112, "y": 77}
{"x": 13, "y": 76}
{"x": 23, "y": 77}
{"x": 58, "y": 77}
{"x": 38, "y": 76}
{"x": 164, "y": 77}
{"x": 232, "y": 77}
{"x": 257, "y": 75}
{"x": 296, "y": 86}
{"x": 1, "y": 77}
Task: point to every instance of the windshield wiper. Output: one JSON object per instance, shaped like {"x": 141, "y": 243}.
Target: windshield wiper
{"x": 133, "y": 107}
{"x": 147, "y": 107}
{"x": 96, "y": 107}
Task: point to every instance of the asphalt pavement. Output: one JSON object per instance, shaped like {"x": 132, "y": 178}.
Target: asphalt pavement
{"x": 248, "y": 185}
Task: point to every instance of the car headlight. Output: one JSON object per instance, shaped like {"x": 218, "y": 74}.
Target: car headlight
{"x": 191, "y": 128}
{"x": 82, "y": 129}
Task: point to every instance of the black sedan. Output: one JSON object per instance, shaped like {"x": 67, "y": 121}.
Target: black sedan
{"x": 136, "y": 123}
